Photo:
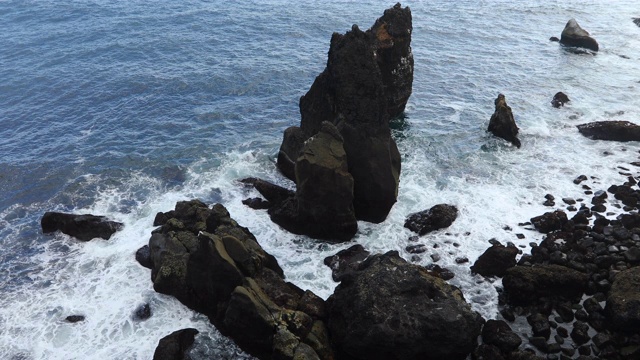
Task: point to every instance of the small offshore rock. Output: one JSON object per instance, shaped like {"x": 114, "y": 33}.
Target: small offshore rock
{"x": 83, "y": 227}
{"x": 438, "y": 217}
{"x": 143, "y": 312}
{"x": 575, "y": 36}
{"x": 559, "y": 99}
{"x": 580, "y": 179}
{"x": 621, "y": 131}
{"x": 74, "y": 318}
{"x": 502, "y": 124}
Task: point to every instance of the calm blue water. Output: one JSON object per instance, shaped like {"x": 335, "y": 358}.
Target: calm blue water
{"x": 124, "y": 108}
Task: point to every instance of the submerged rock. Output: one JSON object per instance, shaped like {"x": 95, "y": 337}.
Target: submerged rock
{"x": 175, "y": 345}
{"x": 367, "y": 81}
{"x": 390, "y": 309}
{"x": 575, "y": 36}
{"x": 502, "y": 124}
{"x": 438, "y": 217}
{"x": 611, "y": 130}
{"x": 82, "y": 227}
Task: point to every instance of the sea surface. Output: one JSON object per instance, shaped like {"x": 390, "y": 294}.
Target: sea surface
{"x": 123, "y": 108}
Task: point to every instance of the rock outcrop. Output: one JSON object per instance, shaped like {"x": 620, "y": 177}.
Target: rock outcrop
{"x": 438, "y": 217}
{"x": 390, "y": 309}
{"x": 367, "y": 81}
{"x": 176, "y": 345}
{"x": 216, "y": 267}
{"x": 502, "y": 124}
{"x": 611, "y": 130}
{"x": 346, "y": 261}
{"x": 82, "y": 227}
{"x": 575, "y": 36}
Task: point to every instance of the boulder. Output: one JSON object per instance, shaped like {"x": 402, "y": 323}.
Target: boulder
{"x": 214, "y": 266}
{"x": 611, "y": 130}
{"x": 346, "y": 261}
{"x": 550, "y": 221}
{"x": 623, "y": 303}
{"x": 559, "y": 99}
{"x": 525, "y": 285}
{"x": 367, "y": 81}
{"x": 438, "y": 217}
{"x": 390, "y": 309}
{"x": 74, "y": 318}
{"x": 175, "y": 345}
{"x": 575, "y": 36}
{"x": 502, "y": 124}
{"x": 499, "y": 334}
{"x": 143, "y": 312}
{"x": 82, "y": 227}
{"x": 143, "y": 256}
{"x": 495, "y": 261}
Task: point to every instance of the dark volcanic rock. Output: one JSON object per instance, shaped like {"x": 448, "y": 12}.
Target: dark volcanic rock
{"x": 502, "y": 124}
{"x": 438, "y": 217}
{"x": 216, "y": 267}
{"x": 74, "y": 318}
{"x": 143, "y": 256}
{"x": 390, "y": 309}
{"x": 527, "y": 284}
{"x": 143, "y": 312}
{"x": 559, "y": 99}
{"x": 499, "y": 334}
{"x": 550, "y": 221}
{"x": 367, "y": 81}
{"x": 82, "y": 227}
{"x": 623, "y": 303}
{"x": 175, "y": 345}
{"x": 346, "y": 261}
{"x": 611, "y": 130}
{"x": 575, "y": 36}
{"x": 495, "y": 261}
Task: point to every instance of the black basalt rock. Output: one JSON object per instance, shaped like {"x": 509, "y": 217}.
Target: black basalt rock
{"x": 437, "y": 217}
{"x": 559, "y": 99}
{"x": 502, "y": 124}
{"x": 622, "y": 131}
{"x": 495, "y": 261}
{"x": 175, "y": 345}
{"x": 82, "y": 227}
{"x": 575, "y": 36}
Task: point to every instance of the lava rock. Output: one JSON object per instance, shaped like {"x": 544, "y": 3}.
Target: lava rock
{"x": 390, "y": 309}
{"x": 550, "y": 221}
{"x": 623, "y": 303}
{"x": 539, "y": 325}
{"x": 575, "y": 36}
{"x": 622, "y": 131}
{"x": 559, "y": 99}
{"x": 175, "y": 345}
{"x": 524, "y": 285}
{"x": 82, "y": 227}
{"x": 502, "y": 124}
{"x": 495, "y": 261}
{"x": 438, "y": 217}
{"x": 580, "y": 333}
{"x": 498, "y": 333}
{"x": 346, "y": 261}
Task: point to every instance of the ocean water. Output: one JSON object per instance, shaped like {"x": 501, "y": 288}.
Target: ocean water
{"x": 123, "y": 108}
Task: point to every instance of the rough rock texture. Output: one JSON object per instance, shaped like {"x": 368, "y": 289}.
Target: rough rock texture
{"x": 559, "y": 99}
{"x": 438, "y": 217}
{"x": 216, "y": 267}
{"x": 623, "y": 303}
{"x": 82, "y": 227}
{"x": 175, "y": 345}
{"x": 502, "y": 124}
{"x": 390, "y": 309}
{"x": 499, "y": 334}
{"x": 495, "y": 261}
{"x": 367, "y": 81}
{"x": 575, "y": 36}
{"x": 550, "y": 221}
{"x": 524, "y": 284}
{"x": 611, "y": 130}
{"x": 346, "y": 261}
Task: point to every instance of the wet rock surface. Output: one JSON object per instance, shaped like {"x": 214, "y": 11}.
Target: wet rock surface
{"x": 495, "y": 261}
{"x": 176, "y": 345}
{"x": 83, "y": 227}
{"x": 390, "y": 309}
{"x": 622, "y": 131}
{"x": 575, "y": 36}
{"x": 438, "y": 217}
{"x": 502, "y": 124}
